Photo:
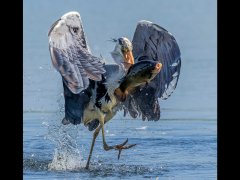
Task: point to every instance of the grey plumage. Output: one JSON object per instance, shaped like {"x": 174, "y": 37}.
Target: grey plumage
{"x": 95, "y": 92}
{"x": 71, "y": 55}
{"x": 81, "y": 70}
{"x": 76, "y": 103}
{"x": 153, "y": 42}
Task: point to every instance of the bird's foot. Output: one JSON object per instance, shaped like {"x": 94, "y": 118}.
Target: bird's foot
{"x": 119, "y": 147}
{"x": 122, "y": 146}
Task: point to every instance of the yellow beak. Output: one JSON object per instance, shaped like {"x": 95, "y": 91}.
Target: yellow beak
{"x": 128, "y": 57}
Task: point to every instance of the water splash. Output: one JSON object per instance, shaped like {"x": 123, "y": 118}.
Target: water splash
{"x": 67, "y": 154}
{"x": 142, "y": 128}
{"x": 66, "y": 160}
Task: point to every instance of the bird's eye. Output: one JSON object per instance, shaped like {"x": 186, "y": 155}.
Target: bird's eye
{"x": 75, "y": 29}
{"x": 120, "y": 41}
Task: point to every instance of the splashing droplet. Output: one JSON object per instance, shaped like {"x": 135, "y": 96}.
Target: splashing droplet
{"x": 67, "y": 155}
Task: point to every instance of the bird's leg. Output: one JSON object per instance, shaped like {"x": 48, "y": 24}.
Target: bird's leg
{"x": 95, "y": 134}
{"x": 119, "y": 147}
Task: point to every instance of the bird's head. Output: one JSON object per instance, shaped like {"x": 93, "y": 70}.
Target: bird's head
{"x": 124, "y": 48}
{"x": 65, "y": 29}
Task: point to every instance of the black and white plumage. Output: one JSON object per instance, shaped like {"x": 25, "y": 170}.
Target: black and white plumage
{"x": 90, "y": 85}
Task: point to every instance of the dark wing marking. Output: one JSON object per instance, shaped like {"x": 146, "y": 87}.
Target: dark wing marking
{"x": 153, "y": 42}
{"x": 76, "y": 103}
{"x": 142, "y": 103}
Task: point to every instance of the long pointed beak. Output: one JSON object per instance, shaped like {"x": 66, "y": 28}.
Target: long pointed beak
{"x": 128, "y": 57}
{"x": 52, "y": 27}
{"x": 113, "y": 40}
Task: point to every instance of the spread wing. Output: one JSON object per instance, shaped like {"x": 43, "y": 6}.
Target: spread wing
{"x": 71, "y": 55}
{"x": 153, "y": 42}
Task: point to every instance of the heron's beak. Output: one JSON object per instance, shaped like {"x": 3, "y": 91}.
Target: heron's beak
{"x": 128, "y": 57}
{"x": 52, "y": 27}
{"x": 113, "y": 40}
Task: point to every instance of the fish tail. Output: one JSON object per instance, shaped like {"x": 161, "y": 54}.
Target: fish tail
{"x": 121, "y": 96}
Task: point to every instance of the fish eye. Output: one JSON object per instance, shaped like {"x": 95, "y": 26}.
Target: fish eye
{"x": 75, "y": 29}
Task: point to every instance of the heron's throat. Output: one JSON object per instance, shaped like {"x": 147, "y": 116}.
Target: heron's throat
{"x": 128, "y": 57}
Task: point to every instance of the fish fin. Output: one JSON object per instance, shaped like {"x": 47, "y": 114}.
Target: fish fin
{"x": 121, "y": 96}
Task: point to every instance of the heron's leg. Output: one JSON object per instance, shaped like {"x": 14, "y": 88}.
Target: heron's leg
{"x": 119, "y": 147}
{"x": 95, "y": 134}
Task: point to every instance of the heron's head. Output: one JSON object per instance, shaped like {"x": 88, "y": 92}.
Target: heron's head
{"x": 65, "y": 29}
{"x": 124, "y": 47}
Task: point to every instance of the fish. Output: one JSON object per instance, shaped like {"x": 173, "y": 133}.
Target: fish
{"x": 138, "y": 74}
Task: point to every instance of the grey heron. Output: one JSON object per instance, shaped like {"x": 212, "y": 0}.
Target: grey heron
{"x": 146, "y": 69}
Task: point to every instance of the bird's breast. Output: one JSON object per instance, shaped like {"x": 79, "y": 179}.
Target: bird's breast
{"x": 108, "y": 105}
{"x": 99, "y": 106}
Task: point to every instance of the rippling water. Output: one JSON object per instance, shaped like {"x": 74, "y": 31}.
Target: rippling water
{"x": 182, "y": 145}
{"x": 175, "y": 149}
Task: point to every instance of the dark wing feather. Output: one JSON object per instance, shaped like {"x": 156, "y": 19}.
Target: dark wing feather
{"x": 76, "y": 103}
{"x": 153, "y": 42}
{"x": 71, "y": 56}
